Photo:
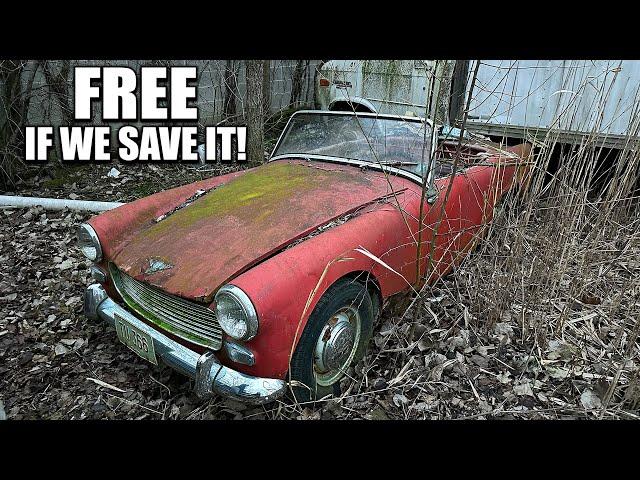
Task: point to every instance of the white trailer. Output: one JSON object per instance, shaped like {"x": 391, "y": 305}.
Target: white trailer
{"x": 565, "y": 101}
{"x": 397, "y": 87}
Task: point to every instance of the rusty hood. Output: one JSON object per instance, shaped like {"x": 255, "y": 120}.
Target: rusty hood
{"x": 194, "y": 250}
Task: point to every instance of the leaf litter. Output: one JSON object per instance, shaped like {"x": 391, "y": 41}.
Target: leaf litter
{"x": 462, "y": 353}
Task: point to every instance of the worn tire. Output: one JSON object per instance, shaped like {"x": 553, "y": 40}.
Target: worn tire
{"x": 345, "y": 292}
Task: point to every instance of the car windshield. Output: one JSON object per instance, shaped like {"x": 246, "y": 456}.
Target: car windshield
{"x": 397, "y": 142}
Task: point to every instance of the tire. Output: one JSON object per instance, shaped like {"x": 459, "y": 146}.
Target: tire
{"x": 346, "y": 294}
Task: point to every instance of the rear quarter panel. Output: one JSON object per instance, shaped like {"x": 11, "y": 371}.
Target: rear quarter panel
{"x": 475, "y": 191}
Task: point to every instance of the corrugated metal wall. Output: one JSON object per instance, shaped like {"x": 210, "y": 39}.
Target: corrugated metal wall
{"x": 574, "y": 95}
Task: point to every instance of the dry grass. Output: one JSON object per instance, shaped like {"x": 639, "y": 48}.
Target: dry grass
{"x": 540, "y": 321}
{"x": 562, "y": 265}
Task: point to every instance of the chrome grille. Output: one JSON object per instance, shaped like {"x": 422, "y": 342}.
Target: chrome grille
{"x": 186, "y": 319}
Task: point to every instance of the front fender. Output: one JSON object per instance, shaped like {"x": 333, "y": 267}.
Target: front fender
{"x": 286, "y": 287}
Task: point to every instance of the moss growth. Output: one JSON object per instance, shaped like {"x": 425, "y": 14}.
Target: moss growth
{"x": 61, "y": 176}
{"x": 252, "y": 197}
{"x": 148, "y": 315}
{"x": 144, "y": 189}
{"x": 55, "y": 183}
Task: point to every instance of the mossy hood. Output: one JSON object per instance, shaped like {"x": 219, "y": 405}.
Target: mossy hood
{"x": 194, "y": 250}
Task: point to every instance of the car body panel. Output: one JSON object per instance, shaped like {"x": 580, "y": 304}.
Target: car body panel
{"x": 116, "y": 227}
{"x": 259, "y": 229}
{"x": 239, "y": 223}
{"x": 307, "y": 270}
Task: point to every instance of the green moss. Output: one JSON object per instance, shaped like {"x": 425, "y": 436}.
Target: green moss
{"x": 252, "y": 197}
{"x": 144, "y": 189}
{"x": 62, "y": 176}
{"x": 159, "y": 322}
{"x": 54, "y": 183}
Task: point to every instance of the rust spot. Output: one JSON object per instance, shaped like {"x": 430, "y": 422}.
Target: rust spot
{"x": 327, "y": 334}
{"x": 187, "y": 202}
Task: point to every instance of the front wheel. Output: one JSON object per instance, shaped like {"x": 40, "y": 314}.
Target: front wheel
{"x": 335, "y": 337}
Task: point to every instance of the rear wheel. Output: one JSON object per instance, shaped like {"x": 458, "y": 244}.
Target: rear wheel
{"x": 335, "y": 337}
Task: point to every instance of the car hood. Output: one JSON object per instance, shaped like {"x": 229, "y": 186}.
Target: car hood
{"x": 193, "y": 250}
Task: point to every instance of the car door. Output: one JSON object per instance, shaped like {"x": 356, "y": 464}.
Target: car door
{"x": 466, "y": 208}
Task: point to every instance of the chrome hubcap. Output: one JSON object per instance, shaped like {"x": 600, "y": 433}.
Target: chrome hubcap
{"x": 337, "y": 345}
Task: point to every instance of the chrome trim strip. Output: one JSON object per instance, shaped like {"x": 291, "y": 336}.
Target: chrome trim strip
{"x": 211, "y": 377}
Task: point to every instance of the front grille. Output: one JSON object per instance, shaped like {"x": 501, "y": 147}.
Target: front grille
{"x": 189, "y": 320}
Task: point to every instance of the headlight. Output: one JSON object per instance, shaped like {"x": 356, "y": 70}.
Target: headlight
{"x": 89, "y": 243}
{"x": 236, "y": 314}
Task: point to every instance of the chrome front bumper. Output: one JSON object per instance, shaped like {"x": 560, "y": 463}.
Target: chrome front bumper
{"x": 209, "y": 375}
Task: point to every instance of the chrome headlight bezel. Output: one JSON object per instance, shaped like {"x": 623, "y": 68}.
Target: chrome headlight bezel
{"x": 87, "y": 240}
{"x": 242, "y": 300}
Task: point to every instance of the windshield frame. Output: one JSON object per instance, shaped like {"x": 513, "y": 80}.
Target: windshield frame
{"x": 362, "y": 163}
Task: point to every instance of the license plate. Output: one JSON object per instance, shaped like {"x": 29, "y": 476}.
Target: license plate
{"x": 137, "y": 340}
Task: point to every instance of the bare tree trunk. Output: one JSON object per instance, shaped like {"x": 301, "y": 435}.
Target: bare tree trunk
{"x": 266, "y": 87}
{"x": 458, "y": 89}
{"x": 58, "y": 83}
{"x": 230, "y": 89}
{"x": 15, "y": 97}
{"x": 254, "y": 111}
{"x": 444, "y": 77}
{"x": 296, "y": 80}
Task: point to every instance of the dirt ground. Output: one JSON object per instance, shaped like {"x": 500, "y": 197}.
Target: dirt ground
{"x": 437, "y": 362}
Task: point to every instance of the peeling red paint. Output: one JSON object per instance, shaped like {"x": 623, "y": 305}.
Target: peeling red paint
{"x": 280, "y": 286}
{"x": 242, "y": 222}
{"x": 234, "y": 231}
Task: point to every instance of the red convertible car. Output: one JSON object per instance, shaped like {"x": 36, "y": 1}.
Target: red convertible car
{"x": 271, "y": 277}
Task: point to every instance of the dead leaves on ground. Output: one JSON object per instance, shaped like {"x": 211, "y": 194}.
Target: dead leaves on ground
{"x": 464, "y": 353}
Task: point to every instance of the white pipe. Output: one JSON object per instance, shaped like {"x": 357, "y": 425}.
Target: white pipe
{"x": 57, "y": 203}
